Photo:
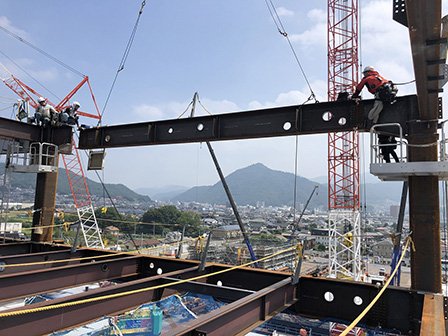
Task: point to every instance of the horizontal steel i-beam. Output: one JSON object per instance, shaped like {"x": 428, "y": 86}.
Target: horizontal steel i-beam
{"x": 315, "y": 118}
{"x": 16, "y": 130}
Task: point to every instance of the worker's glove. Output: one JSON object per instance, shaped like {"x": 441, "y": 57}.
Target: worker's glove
{"x": 356, "y": 99}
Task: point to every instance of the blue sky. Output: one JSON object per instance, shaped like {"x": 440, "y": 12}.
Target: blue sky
{"x": 229, "y": 51}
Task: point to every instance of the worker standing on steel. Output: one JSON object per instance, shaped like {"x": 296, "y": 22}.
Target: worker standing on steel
{"x": 383, "y": 89}
{"x": 45, "y": 113}
{"x": 388, "y": 144}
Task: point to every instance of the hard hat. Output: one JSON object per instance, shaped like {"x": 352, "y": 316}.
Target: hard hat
{"x": 75, "y": 103}
{"x": 41, "y": 99}
{"x": 368, "y": 69}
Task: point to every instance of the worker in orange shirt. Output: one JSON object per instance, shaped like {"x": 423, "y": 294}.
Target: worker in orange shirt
{"x": 383, "y": 89}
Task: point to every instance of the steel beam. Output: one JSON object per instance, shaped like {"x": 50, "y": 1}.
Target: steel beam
{"x": 16, "y": 130}
{"x": 252, "y": 302}
{"x": 23, "y": 247}
{"x": 281, "y": 121}
{"x": 258, "y": 304}
{"x": 41, "y": 281}
{"x": 433, "y": 316}
{"x": 242, "y": 316}
{"x": 47, "y": 256}
{"x": 13, "y": 248}
{"x": 399, "y": 309}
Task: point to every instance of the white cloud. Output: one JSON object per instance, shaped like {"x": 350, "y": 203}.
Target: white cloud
{"x": 172, "y": 110}
{"x": 294, "y": 97}
{"x": 317, "y": 33}
{"x": 282, "y": 11}
{"x": 6, "y": 23}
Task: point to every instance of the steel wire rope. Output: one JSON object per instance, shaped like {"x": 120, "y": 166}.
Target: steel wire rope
{"x": 21, "y": 39}
{"x": 281, "y": 29}
{"x": 124, "y": 58}
{"x": 136, "y": 291}
{"x": 31, "y": 76}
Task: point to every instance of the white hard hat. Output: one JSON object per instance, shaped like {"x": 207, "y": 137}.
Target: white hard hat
{"x": 368, "y": 69}
{"x": 41, "y": 99}
{"x": 75, "y": 103}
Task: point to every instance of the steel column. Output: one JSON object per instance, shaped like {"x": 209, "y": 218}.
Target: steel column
{"x": 424, "y": 21}
{"x": 44, "y": 206}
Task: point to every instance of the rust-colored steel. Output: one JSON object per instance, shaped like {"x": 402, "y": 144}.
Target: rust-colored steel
{"x": 424, "y": 21}
{"x": 41, "y": 281}
{"x": 257, "y": 306}
{"x": 44, "y": 205}
{"x": 47, "y": 256}
{"x": 242, "y": 316}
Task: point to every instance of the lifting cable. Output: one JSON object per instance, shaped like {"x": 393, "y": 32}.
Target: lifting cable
{"x": 281, "y": 29}
{"x": 409, "y": 242}
{"x": 124, "y": 57}
{"x": 141, "y": 290}
{"x": 21, "y": 39}
{"x": 27, "y": 73}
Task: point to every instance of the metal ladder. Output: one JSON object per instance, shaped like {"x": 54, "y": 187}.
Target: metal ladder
{"x": 82, "y": 199}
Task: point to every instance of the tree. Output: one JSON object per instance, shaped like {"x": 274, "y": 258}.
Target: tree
{"x": 172, "y": 216}
{"x": 110, "y": 216}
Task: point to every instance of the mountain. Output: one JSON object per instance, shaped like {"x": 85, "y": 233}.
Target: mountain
{"x": 26, "y": 181}
{"x": 164, "y": 193}
{"x": 257, "y": 183}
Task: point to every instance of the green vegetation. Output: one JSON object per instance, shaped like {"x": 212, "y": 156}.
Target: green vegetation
{"x": 175, "y": 219}
{"x": 26, "y": 181}
{"x": 266, "y": 237}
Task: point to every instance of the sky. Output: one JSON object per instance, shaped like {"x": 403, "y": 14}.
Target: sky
{"x": 230, "y": 52}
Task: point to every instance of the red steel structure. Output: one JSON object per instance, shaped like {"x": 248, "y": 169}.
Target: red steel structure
{"x": 73, "y": 165}
{"x": 343, "y": 148}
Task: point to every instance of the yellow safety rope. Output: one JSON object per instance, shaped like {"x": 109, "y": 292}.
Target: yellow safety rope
{"x": 85, "y": 258}
{"x": 40, "y": 227}
{"x": 371, "y": 304}
{"x": 63, "y": 260}
{"x": 136, "y": 291}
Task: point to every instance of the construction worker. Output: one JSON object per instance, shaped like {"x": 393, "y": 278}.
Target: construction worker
{"x": 69, "y": 115}
{"x": 383, "y": 89}
{"x": 388, "y": 144}
{"x": 45, "y": 113}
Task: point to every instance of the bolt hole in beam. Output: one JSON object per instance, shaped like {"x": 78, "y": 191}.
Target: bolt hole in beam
{"x": 2, "y": 264}
{"x": 329, "y": 296}
{"x": 342, "y": 121}
{"x": 104, "y": 267}
{"x": 151, "y": 265}
{"x": 327, "y": 116}
{"x": 159, "y": 271}
{"x": 357, "y": 300}
{"x": 170, "y": 130}
{"x": 219, "y": 283}
{"x": 107, "y": 138}
{"x": 200, "y": 127}
{"x": 287, "y": 126}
